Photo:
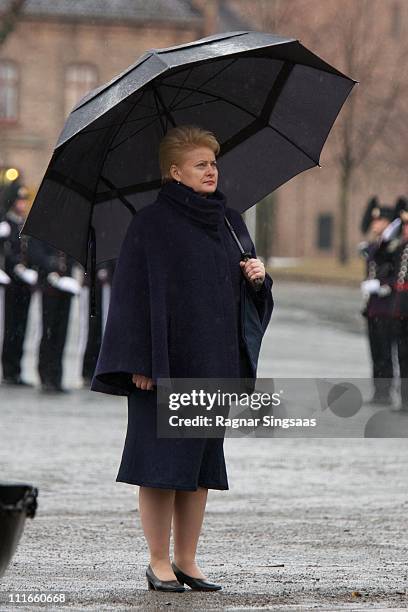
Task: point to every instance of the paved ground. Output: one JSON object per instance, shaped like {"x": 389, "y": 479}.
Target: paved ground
{"x": 307, "y": 524}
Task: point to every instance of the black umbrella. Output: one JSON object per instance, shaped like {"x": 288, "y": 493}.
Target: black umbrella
{"x": 270, "y": 102}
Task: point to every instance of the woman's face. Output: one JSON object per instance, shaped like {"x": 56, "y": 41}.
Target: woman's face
{"x": 198, "y": 170}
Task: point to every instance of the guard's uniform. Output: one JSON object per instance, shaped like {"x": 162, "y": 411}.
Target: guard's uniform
{"x": 400, "y": 305}
{"x": 17, "y": 300}
{"x": 56, "y": 306}
{"x": 378, "y": 311}
{"x": 379, "y": 303}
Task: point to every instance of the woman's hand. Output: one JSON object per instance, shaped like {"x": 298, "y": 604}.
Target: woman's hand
{"x": 142, "y": 382}
{"x": 253, "y": 269}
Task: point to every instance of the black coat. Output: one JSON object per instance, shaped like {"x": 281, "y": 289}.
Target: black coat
{"x": 15, "y": 248}
{"x": 174, "y": 310}
{"x": 379, "y": 266}
{"x": 400, "y": 257}
{"x": 46, "y": 259}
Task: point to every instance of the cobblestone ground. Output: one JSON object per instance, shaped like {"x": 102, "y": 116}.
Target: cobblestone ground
{"x": 307, "y": 523}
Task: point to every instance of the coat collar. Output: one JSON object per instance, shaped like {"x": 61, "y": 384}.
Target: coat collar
{"x": 207, "y": 211}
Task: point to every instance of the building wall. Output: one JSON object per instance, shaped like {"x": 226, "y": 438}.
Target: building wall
{"x": 42, "y": 51}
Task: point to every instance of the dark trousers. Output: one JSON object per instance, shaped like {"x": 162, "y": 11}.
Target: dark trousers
{"x": 402, "y": 344}
{"x": 16, "y": 304}
{"x": 381, "y": 337}
{"x": 93, "y": 344}
{"x": 55, "y": 317}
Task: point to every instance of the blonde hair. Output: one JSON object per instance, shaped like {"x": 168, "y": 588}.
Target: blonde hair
{"x": 180, "y": 139}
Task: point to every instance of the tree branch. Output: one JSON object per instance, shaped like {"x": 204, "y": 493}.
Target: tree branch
{"x": 9, "y": 19}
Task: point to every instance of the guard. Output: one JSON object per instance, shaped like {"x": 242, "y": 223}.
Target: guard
{"x": 58, "y": 286}
{"x": 399, "y": 247}
{"x": 377, "y": 293}
{"x": 18, "y": 290}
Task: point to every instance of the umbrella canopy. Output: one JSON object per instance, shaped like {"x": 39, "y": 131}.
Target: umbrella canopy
{"x": 269, "y": 100}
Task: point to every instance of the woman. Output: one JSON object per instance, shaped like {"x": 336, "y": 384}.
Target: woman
{"x": 174, "y": 313}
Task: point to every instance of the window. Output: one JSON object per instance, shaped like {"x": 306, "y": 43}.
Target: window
{"x": 8, "y": 91}
{"x": 325, "y": 231}
{"x": 79, "y": 80}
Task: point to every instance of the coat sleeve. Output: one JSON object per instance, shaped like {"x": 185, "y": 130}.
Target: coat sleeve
{"x": 262, "y": 297}
{"x": 126, "y": 345}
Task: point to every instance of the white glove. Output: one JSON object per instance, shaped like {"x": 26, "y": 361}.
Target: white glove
{"x": 28, "y": 276}
{"x": 370, "y": 287}
{"x": 5, "y": 229}
{"x": 362, "y": 249}
{"x": 4, "y": 278}
{"x": 384, "y": 290}
{"x": 102, "y": 275}
{"x": 64, "y": 283}
{"x": 391, "y": 231}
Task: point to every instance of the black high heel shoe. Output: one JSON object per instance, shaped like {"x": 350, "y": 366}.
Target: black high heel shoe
{"x": 155, "y": 584}
{"x": 197, "y": 584}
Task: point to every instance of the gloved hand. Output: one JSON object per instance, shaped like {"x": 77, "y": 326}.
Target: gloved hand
{"x": 384, "y": 290}
{"x": 4, "y": 278}
{"x": 28, "y": 276}
{"x": 391, "y": 231}
{"x": 102, "y": 275}
{"x": 370, "y": 287}
{"x": 67, "y": 284}
{"x": 5, "y": 229}
{"x": 362, "y": 248}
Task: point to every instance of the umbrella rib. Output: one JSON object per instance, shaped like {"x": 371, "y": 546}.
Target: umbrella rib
{"x": 68, "y": 182}
{"x": 105, "y": 127}
{"x": 115, "y": 191}
{"x": 187, "y": 76}
{"x": 159, "y": 115}
{"x": 203, "y": 103}
{"x": 131, "y": 135}
{"x": 166, "y": 111}
{"x": 215, "y": 97}
{"x": 211, "y": 78}
{"x": 104, "y": 196}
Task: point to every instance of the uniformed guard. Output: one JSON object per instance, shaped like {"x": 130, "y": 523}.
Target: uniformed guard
{"x": 377, "y": 292}
{"x": 92, "y": 327}
{"x": 57, "y": 286}
{"x": 399, "y": 248}
{"x": 18, "y": 291}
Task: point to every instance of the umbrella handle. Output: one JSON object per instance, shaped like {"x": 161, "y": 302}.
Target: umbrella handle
{"x": 244, "y": 257}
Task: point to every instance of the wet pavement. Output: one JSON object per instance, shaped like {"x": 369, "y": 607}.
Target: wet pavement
{"x": 307, "y": 523}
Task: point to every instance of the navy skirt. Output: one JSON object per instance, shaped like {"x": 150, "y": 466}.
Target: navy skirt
{"x": 169, "y": 463}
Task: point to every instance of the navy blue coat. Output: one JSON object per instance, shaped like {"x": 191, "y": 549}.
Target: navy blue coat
{"x": 174, "y": 310}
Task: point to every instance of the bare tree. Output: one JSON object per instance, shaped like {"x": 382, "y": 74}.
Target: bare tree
{"x": 366, "y": 39}
{"x": 362, "y": 40}
{"x": 271, "y": 16}
{"x": 9, "y": 18}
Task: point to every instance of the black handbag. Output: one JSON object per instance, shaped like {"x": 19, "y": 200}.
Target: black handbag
{"x": 251, "y": 326}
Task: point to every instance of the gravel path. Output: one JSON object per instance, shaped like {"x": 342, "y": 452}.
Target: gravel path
{"x": 307, "y": 524}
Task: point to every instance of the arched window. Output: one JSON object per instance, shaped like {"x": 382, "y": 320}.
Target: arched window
{"x": 79, "y": 79}
{"x": 8, "y": 91}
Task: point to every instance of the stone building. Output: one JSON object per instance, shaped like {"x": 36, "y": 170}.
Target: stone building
{"x": 60, "y": 49}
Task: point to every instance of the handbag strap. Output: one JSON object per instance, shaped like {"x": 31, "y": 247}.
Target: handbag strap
{"x": 244, "y": 254}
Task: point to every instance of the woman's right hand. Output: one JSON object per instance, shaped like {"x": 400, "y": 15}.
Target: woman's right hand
{"x": 142, "y": 382}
